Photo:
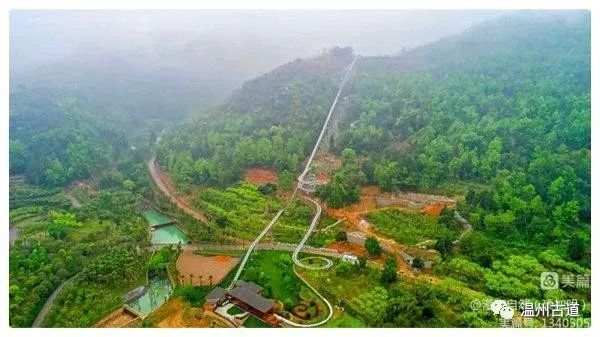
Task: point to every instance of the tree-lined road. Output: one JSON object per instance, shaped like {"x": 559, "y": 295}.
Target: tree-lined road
{"x": 166, "y": 189}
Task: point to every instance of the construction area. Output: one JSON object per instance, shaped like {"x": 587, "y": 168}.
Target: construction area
{"x": 120, "y": 318}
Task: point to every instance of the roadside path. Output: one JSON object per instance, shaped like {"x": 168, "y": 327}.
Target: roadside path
{"x": 76, "y": 203}
{"x": 166, "y": 189}
{"x": 15, "y": 230}
{"x": 466, "y": 226}
{"x": 37, "y": 323}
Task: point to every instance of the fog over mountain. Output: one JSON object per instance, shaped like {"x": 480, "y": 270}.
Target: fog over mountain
{"x": 171, "y": 62}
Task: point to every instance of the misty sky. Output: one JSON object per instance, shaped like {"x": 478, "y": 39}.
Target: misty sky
{"x": 249, "y": 41}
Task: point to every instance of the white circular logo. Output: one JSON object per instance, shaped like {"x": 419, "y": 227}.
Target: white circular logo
{"x": 507, "y": 312}
{"x": 497, "y": 305}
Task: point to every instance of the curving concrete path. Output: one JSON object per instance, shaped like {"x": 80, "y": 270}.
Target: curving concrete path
{"x": 313, "y": 325}
{"x": 313, "y": 224}
{"x": 39, "y": 319}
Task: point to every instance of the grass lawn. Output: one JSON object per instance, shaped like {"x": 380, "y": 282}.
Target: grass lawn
{"x": 90, "y": 228}
{"x": 341, "y": 289}
{"x": 342, "y": 319}
{"x": 235, "y": 310}
{"x": 406, "y": 228}
{"x": 253, "y": 322}
{"x": 273, "y": 271}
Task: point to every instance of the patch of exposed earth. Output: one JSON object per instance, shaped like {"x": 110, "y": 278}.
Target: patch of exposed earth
{"x": 372, "y": 199}
{"x": 260, "y": 176}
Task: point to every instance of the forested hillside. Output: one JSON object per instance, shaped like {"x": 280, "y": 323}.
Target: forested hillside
{"x": 496, "y": 120}
{"x": 56, "y": 138}
{"x": 500, "y": 113}
{"x": 498, "y": 116}
{"x": 271, "y": 121}
{"x": 76, "y": 192}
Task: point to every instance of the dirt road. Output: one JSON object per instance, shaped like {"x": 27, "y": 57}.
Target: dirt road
{"x": 169, "y": 191}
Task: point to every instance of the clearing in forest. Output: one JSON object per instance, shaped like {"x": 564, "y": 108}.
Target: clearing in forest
{"x": 260, "y": 176}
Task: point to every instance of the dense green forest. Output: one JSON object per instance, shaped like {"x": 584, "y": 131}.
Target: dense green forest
{"x": 271, "y": 121}
{"x": 497, "y": 117}
{"x": 63, "y": 148}
{"x": 56, "y": 139}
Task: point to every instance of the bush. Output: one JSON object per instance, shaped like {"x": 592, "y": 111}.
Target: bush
{"x": 372, "y": 246}
{"x": 341, "y": 236}
{"x": 418, "y": 263}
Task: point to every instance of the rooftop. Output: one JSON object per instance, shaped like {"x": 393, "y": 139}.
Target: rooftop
{"x": 252, "y": 299}
{"x": 251, "y": 286}
{"x": 216, "y": 294}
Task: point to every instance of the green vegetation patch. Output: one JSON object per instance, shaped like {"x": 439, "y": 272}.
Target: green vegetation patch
{"x": 344, "y": 320}
{"x": 407, "y": 228}
{"x": 235, "y": 310}
{"x": 98, "y": 290}
{"x": 253, "y": 322}
{"x": 273, "y": 271}
{"x": 240, "y": 211}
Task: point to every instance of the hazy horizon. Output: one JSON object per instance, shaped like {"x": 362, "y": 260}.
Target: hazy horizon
{"x": 244, "y": 43}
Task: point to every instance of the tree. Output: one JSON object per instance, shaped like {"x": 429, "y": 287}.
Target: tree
{"x": 418, "y": 263}
{"x": 17, "y": 156}
{"x": 222, "y": 221}
{"x": 443, "y": 245}
{"x": 373, "y": 305}
{"x": 286, "y": 180}
{"x": 128, "y": 185}
{"x": 500, "y": 224}
{"x": 491, "y": 159}
{"x": 447, "y": 218}
{"x": 55, "y": 174}
{"x": 61, "y": 224}
{"x": 388, "y": 275}
{"x": 343, "y": 268}
{"x": 341, "y": 236}
{"x": 267, "y": 189}
{"x": 372, "y": 246}
{"x": 348, "y": 155}
{"x": 576, "y": 248}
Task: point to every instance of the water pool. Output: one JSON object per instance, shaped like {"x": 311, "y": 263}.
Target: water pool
{"x": 169, "y": 234}
{"x": 159, "y": 290}
{"x": 154, "y": 218}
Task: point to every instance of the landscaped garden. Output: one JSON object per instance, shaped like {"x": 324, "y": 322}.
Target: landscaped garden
{"x": 273, "y": 271}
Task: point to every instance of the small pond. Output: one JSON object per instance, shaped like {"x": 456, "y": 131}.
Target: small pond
{"x": 168, "y": 234}
{"x": 159, "y": 290}
{"x": 154, "y": 218}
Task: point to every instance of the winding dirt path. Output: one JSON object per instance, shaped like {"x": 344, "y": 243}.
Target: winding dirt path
{"x": 170, "y": 192}
{"x": 74, "y": 201}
